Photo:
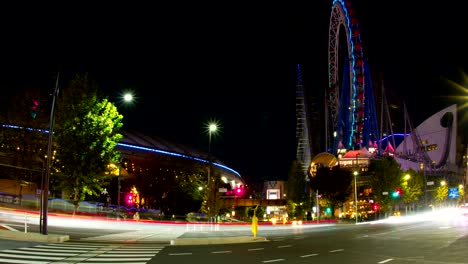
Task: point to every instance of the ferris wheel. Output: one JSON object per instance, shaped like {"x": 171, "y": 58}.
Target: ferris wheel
{"x": 351, "y": 116}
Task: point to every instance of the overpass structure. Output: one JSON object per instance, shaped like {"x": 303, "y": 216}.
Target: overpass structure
{"x": 227, "y": 202}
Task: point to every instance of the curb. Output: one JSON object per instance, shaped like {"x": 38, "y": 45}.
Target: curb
{"x": 216, "y": 240}
{"x": 32, "y": 237}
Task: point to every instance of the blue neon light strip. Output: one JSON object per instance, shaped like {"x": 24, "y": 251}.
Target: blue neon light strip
{"x": 177, "y": 155}
{"x": 394, "y": 135}
{"x": 145, "y": 149}
{"x": 30, "y": 129}
{"x": 353, "y": 61}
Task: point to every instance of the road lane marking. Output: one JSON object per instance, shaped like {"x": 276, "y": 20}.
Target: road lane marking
{"x": 310, "y": 255}
{"x": 272, "y": 260}
{"x": 48, "y": 258}
{"x": 384, "y": 261}
{"x": 221, "y": 252}
{"x": 179, "y": 254}
{"x": 253, "y": 249}
{"x": 22, "y": 252}
{"x": 285, "y": 246}
{"x": 116, "y": 260}
{"x": 336, "y": 250}
{"x": 8, "y": 227}
{"x": 20, "y": 261}
{"x": 54, "y": 250}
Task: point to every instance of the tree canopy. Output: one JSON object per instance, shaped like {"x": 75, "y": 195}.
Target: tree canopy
{"x": 86, "y": 133}
{"x": 333, "y": 184}
{"x": 386, "y": 177}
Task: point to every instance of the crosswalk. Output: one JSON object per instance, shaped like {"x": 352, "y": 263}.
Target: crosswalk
{"x": 79, "y": 252}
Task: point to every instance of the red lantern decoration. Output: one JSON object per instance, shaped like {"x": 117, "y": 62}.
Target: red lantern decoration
{"x": 358, "y": 47}
{"x": 356, "y": 32}
{"x": 359, "y": 62}
{"x": 360, "y": 78}
{"x": 361, "y": 113}
{"x": 361, "y": 96}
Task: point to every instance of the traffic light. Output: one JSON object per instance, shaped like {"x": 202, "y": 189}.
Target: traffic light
{"x": 34, "y": 108}
{"x": 396, "y": 193}
{"x": 375, "y": 207}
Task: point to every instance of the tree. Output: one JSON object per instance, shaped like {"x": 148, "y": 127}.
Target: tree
{"x": 334, "y": 184}
{"x": 168, "y": 183}
{"x": 441, "y": 194}
{"x": 385, "y": 178}
{"x": 296, "y": 190}
{"x": 211, "y": 204}
{"x": 412, "y": 186}
{"x": 86, "y": 133}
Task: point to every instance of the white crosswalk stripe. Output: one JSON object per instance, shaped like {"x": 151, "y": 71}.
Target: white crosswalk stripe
{"x": 78, "y": 252}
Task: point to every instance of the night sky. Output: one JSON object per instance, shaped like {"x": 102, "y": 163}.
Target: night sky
{"x": 188, "y": 65}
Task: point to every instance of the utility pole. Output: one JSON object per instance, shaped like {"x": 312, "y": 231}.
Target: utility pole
{"x": 465, "y": 177}
{"x": 356, "y": 172}
{"x": 45, "y": 180}
{"x": 318, "y": 206}
{"x": 118, "y": 182}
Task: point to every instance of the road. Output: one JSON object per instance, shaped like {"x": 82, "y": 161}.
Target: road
{"x": 440, "y": 240}
{"x": 415, "y": 242}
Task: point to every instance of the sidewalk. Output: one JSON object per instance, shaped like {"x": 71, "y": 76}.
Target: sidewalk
{"x": 175, "y": 235}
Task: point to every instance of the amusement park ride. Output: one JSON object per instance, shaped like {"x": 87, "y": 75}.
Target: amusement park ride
{"x": 351, "y": 124}
{"x": 351, "y": 110}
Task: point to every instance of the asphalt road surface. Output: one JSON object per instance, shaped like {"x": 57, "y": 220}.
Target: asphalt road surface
{"x": 441, "y": 240}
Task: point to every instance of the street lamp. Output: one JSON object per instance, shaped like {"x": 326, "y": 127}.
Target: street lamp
{"x": 355, "y": 194}
{"x": 355, "y": 185}
{"x": 407, "y": 177}
{"x": 212, "y": 128}
{"x": 127, "y": 98}
{"x": 118, "y": 181}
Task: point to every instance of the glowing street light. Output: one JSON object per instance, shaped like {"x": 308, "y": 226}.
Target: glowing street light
{"x": 212, "y": 127}
{"x": 128, "y": 97}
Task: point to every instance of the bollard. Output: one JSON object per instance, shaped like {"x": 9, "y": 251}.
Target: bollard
{"x": 254, "y": 226}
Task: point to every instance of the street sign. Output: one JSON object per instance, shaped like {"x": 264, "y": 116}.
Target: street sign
{"x": 222, "y": 189}
{"x": 453, "y": 193}
{"x": 385, "y": 193}
{"x": 430, "y": 183}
